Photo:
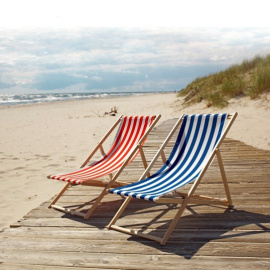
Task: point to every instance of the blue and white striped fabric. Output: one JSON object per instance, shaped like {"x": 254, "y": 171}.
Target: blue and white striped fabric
{"x": 198, "y": 136}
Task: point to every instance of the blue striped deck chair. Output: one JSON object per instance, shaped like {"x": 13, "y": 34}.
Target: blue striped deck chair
{"x": 197, "y": 143}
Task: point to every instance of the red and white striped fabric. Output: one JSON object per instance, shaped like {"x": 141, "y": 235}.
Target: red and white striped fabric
{"x": 130, "y": 131}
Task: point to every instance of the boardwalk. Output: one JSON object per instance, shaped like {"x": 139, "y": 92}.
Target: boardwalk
{"x": 205, "y": 238}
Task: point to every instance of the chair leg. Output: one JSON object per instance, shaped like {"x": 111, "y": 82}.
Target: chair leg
{"x": 119, "y": 212}
{"x": 224, "y": 178}
{"x": 96, "y": 203}
{"x": 74, "y": 212}
{"x": 174, "y": 222}
{"x": 59, "y": 195}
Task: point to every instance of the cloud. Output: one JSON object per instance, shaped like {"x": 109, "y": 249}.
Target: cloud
{"x": 105, "y": 59}
{"x": 96, "y": 78}
{"x": 79, "y": 76}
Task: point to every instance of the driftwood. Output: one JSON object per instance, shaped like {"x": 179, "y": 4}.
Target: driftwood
{"x": 113, "y": 111}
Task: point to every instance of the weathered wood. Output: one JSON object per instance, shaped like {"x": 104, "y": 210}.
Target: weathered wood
{"x": 184, "y": 235}
{"x": 131, "y": 261}
{"x": 206, "y": 237}
{"x": 105, "y": 246}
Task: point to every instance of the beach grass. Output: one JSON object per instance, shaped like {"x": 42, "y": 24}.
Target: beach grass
{"x": 250, "y": 78}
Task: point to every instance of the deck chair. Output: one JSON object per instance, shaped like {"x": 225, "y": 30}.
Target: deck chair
{"x": 196, "y": 145}
{"x": 127, "y": 144}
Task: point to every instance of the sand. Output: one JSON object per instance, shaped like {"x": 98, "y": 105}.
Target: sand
{"x": 38, "y": 140}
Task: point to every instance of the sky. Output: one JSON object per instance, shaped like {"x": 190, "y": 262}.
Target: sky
{"x": 125, "y": 45}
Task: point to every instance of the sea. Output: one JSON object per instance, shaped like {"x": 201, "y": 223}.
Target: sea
{"x": 24, "y": 99}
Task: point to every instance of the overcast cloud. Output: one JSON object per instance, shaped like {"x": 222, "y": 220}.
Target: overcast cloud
{"x": 117, "y": 58}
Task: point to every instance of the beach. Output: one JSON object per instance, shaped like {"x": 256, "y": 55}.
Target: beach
{"x": 41, "y": 139}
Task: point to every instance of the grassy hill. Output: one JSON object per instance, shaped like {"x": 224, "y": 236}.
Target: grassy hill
{"x": 250, "y": 78}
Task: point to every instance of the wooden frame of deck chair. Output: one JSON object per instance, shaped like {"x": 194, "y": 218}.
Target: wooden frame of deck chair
{"x": 127, "y": 144}
{"x": 197, "y": 143}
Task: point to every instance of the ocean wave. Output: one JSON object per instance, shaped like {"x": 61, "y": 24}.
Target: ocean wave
{"x": 9, "y": 99}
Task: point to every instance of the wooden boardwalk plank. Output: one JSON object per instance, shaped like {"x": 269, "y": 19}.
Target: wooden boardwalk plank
{"x": 205, "y": 238}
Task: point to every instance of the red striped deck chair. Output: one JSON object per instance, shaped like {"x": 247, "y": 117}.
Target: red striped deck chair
{"x": 198, "y": 141}
{"x": 127, "y": 144}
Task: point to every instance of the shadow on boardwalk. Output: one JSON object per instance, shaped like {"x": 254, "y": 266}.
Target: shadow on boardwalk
{"x": 199, "y": 226}
{"x": 187, "y": 240}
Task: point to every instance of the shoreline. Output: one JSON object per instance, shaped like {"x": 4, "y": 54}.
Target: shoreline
{"x": 39, "y": 139}
{"x": 91, "y": 101}
{"x": 106, "y": 96}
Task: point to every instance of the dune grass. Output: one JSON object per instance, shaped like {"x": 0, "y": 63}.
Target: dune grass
{"x": 250, "y": 78}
